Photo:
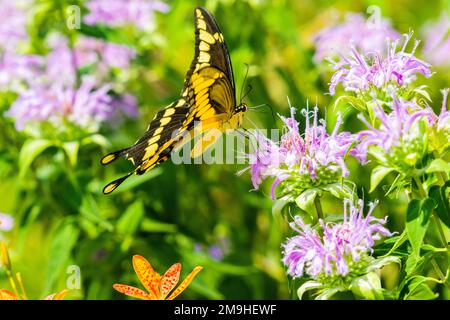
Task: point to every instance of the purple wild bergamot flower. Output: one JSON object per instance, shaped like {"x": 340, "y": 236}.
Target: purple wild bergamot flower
{"x": 400, "y": 139}
{"x": 339, "y": 249}
{"x": 437, "y": 41}
{"x": 118, "y": 13}
{"x": 19, "y": 71}
{"x": 87, "y": 106}
{"x": 13, "y": 16}
{"x": 363, "y": 72}
{"x": 356, "y": 31}
{"x": 301, "y": 161}
{"x": 63, "y": 61}
{"x": 439, "y": 131}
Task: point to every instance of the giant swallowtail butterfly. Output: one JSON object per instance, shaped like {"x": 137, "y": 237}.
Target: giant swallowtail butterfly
{"x": 207, "y": 102}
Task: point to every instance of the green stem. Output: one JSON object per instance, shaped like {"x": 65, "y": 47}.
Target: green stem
{"x": 435, "y": 265}
{"x": 423, "y": 195}
{"x": 318, "y": 206}
{"x": 439, "y": 273}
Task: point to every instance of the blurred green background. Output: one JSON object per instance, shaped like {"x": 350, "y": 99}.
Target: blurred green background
{"x": 195, "y": 214}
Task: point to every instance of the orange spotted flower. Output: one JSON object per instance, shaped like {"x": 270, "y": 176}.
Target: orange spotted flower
{"x": 8, "y": 295}
{"x": 157, "y": 287}
{"x": 16, "y": 282}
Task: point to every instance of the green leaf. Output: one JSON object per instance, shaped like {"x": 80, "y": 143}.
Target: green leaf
{"x": 421, "y": 91}
{"x": 150, "y": 225}
{"x": 305, "y": 200}
{"x": 439, "y": 194}
{"x": 64, "y": 241}
{"x": 367, "y": 287}
{"x": 96, "y": 139}
{"x": 91, "y": 212}
{"x": 308, "y": 285}
{"x": 339, "y": 190}
{"x": 377, "y": 176}
{"x": 71, "y": 149}
{"x": 356, "y": 103}
{"x": 378, "y": 153}
{"x": 328, "y": 293}
{"x": 129, "y": 222}
{"x": 417, "y": 220}
{"x": 400, "y": 240}
{"x": 429, "y": 247}
{"x": 381, "y": 262}
{"x": 438, "y": 165}
{"x": 278, "y": 206}
{"x": 31, "y": 149}
{"x": 397, "y": 182}
{"x": 137, "y": 180}
{"x": 419, "y": 290}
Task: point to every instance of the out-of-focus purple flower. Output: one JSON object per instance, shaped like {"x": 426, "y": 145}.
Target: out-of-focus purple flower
{"x": 6, "y": 222}
{"x": 13, "y": 17}
{"x": 63, "y": 61}
{"x": 344, "y": 247}
{"x": 17, "y": 71}
{"x": 439, "y": 130}
{"x": 216, "y": 252}
{"x": 359, "y": 72}
{"x": 443, "y": 121}
{"x": 437, "y": 41}
{"x": 91, "y": 50}
{"x": 313, "y": 158}
{"x": 117, "y": 13}
{"x": 363, "y": 35}
{"x": 127, "y": 104}
{"x": 86, "y": 106}
{"x": 400, "y": 137}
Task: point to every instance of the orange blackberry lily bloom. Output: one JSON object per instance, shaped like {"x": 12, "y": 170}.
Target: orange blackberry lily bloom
{"x": 8, "y": 295}
{"x": 158, "y": 288}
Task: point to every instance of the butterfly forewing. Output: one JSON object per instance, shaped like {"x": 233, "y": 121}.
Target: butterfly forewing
{"x": 210, "y": 47}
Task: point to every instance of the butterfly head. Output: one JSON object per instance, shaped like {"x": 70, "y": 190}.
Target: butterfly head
{"x": 241, "y": 108}
{"x": 238, "y": 115}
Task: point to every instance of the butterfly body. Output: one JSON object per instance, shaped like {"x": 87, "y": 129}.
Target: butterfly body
{"x": 207, "y": 103}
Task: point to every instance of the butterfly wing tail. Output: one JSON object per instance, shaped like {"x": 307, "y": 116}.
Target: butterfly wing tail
{"x": 113, "y": 156}
{"x": 110, "y": 187}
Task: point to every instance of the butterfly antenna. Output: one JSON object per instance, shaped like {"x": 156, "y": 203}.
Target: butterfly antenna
{"x": 242, "y": 96}
{"x": 265, "y": 105}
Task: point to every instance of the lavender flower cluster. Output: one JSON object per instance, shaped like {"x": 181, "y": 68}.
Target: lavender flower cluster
{"x": 360, "y": 72}
{"x": 51, "y": 88}
{"x": 119, "y": 13}
{"x": 302, "y": 161}
{"x": 377, "y": 70}
{"x": 342, "y": 247}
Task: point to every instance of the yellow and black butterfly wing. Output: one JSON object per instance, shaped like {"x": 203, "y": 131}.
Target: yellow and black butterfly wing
{"x": 210, "y": 48}
{"x": 209, "y": 86}
{"x": 208, "y": 98}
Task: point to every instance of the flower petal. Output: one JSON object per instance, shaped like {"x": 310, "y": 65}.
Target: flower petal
{"x": 185, "y": 283}
{"x": 132, "y": 292}
{"x": 169, "y": 280}
{"x": 148, "y": 277}
{"x": 8, "y": 295}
